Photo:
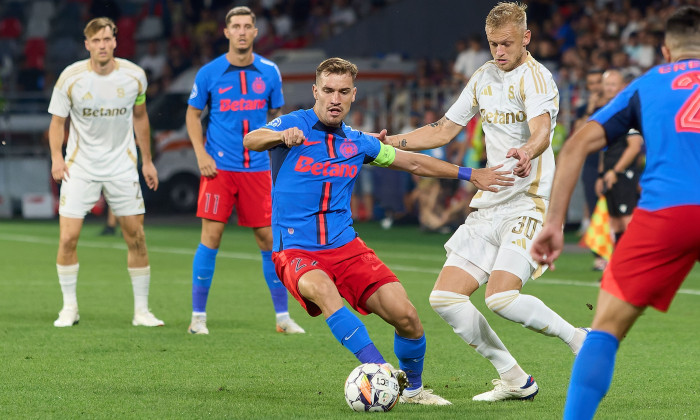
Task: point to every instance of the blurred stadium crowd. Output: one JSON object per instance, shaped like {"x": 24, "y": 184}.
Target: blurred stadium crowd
{"x": 39, "y": 38}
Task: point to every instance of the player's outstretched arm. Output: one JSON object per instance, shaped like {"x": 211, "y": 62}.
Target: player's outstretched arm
{"x": 193, "y": 121}
{"x": 142, "y": 130}
{"x": 548, "y": 244}
{"x": 488, "y": 179}
{"x": 429, "y": 136}
{"x": 59, "y": 169}
{"x": 264, "y": 139}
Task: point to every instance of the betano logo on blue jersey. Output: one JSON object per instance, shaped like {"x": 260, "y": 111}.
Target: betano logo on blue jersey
{"x": 242, "y": 104}
{"x": 308, "y": 164}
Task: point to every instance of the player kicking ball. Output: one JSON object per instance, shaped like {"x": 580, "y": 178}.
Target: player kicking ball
{"x": 319, "y": 257}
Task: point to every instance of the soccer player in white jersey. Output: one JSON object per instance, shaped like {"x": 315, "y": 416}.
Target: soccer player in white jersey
{"x": 518, "y": 103}
{"x": 105, "y": 98}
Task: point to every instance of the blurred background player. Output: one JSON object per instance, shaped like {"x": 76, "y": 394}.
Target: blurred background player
{"x": 518, "y": 101}
{"x": 662, "y": 242}
{"x": 243, "y": 91}
{"x": 618, "y": 178}
{"x": 318, "y": 255}
{"x": 105, "y": 98}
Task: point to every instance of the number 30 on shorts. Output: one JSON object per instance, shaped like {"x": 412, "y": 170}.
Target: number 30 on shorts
{"x": 526, "y": 226}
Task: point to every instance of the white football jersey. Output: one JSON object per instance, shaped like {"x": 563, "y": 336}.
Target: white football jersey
{"x": 506, "y": 102}
{"x": 101, "y": 144}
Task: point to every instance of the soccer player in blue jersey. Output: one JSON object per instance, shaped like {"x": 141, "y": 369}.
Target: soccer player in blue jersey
{"x": 662, "y": 241}
{"x": 242, "y": 91}
{"x": 315, "y": 161}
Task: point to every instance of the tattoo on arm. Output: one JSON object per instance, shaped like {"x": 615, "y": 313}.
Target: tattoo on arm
{"x": 438, "y": 123}
{"x": 403, "y": 143}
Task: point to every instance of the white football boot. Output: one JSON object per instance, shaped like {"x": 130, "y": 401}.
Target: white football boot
{"x": 423, "y": 397}
{"x": 198, "y": 324}
{"x": 502, "y": 392}
{"x": 146, "y": 319}
{"x": 67, "y": 317}
{"x": 288, "y": 326}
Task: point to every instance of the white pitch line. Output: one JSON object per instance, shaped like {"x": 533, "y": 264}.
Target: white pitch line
{"x": 256, "y": 257}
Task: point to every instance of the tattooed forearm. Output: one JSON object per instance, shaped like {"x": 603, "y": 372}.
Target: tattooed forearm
{"x": 438, "y": 123}
{"x": 403, "y": 143}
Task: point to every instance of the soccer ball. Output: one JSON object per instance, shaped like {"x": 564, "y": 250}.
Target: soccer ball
{"x": 371, "y": 387}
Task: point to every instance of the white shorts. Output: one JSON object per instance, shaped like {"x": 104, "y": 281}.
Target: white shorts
{"x": 78, "y": 197}
{"x": 498, "y": 238}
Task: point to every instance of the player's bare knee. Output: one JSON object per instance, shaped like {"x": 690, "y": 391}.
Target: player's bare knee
{"x": 408, "y": 323}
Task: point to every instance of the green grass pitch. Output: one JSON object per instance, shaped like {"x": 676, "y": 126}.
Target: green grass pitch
{"x": 105, "y": 368}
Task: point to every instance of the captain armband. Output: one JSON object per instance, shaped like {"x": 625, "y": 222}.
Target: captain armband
{"x": 386, "y": 156}
{"x": 141, "y": 99}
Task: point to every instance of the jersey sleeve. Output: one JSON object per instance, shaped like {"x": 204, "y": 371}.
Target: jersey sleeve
{"x": 199, "y": 96}
{"x": 620, "y": 114}
{"x": 276, "y": 93}
{"x": 143, "y": 84}
{"x": 466, "y": 106}
{"x": 540, "y": 93}
{"x": 60, "y": 104}
{"x": 284, "y": 122}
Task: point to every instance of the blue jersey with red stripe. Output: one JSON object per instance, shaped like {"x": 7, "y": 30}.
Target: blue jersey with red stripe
{"x": 312, "y": 183}
{"x": 238, "y": 99}
{"x": 664, "y": 105}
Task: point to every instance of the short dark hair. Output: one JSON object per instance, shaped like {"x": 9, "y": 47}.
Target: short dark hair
{"x": 336, "y": 65}
{"x": 239, "y": 11}
{"x": 683, "y": 28}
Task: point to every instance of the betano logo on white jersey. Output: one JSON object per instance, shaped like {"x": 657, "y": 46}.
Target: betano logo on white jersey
{"x": 506, "y": 101}
{"x": 101, "y": 142}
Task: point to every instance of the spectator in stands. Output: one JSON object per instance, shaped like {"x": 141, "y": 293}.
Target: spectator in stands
{"x": 154, "y": 60}
{"x": 469, "y": 60}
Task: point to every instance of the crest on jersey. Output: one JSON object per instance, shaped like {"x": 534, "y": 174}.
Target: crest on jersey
{"x": 193, "y": 94}
{"x": 348, "y": 148}
{"x": 275, "y": 123}
{"x": 258, "y": 85}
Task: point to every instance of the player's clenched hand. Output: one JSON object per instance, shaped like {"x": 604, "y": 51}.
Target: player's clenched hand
{"x": 381, "y": 136}
{"x": 59, "y": 170}
{"x": 488, "y": 178}
{"x": 293, "y": 137}
{"x": 150, "y": 175}
{"x": 548, "y": 245}
{"x": 207, "y": 165}
{"x": 522, "y": 169}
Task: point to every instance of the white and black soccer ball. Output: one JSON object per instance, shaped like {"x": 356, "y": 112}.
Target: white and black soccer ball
{"x": 371, "y": 387}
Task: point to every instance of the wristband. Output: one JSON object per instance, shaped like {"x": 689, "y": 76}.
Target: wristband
{"x": 464, "y": 173}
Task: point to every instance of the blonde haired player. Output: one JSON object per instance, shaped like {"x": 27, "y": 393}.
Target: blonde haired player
{"x": 518, "y": 103}
{"x": 105, "y": 98}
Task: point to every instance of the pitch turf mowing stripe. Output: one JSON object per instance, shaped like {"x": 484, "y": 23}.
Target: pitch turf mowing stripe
{"x": 256, "y": 257}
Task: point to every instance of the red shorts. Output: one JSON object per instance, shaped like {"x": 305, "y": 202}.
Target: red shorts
{"x": 248, "y": 191}
{"x": 654, "y": 256}
{"x": 354, "y": 268}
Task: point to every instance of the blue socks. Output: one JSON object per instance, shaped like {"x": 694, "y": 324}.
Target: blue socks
{"x": 202, "y": 274}
{"x": 411, "y": 353}
{"x": 352, "y": 334}
{"x": 591, "y": 375}
{"x": 277, "y": 289}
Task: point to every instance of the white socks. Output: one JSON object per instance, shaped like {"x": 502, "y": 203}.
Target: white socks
{"x": 140, "y": 280}
{"x": 531, "y": 313}
{"x": 470, "y": 324}
{"x": 68, "y": 279}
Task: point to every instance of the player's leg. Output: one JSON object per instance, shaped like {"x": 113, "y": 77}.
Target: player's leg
{"x": 593, "y": 368}
{"x": 203, "y": 266}
{"x": 317, "y": 287}
{"x": 126, "y": 201}
{"x": 78, "y": 196}
{"x": 67, "y": 268}
{"x": 215, "y": 204}
{"x": 139, "y": 269}
{"x": 391, "y": 303}
{"x": 450, "y": 298}
{"x": 285, "y": 324}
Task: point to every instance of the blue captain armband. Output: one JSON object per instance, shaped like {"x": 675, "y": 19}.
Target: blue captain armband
{"x": 464, "y": 173}
{"x": 386, "y": 156}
